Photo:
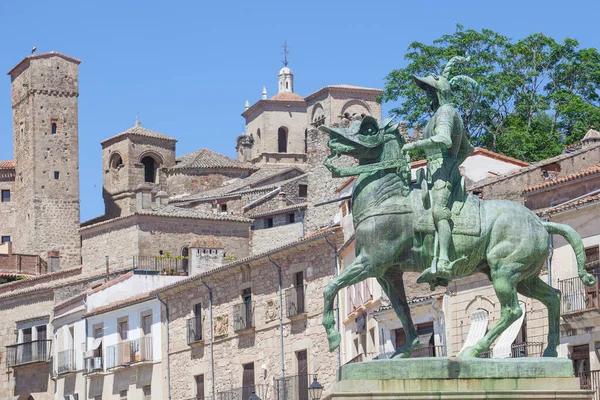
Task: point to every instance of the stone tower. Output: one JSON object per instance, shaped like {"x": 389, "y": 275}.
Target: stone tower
{"x": 45, "y": 88}
{"x": 134, "y": 163}
{"x": 286, "y": 80}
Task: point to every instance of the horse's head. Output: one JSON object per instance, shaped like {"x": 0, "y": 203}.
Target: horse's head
{"x": 362, "y": 140}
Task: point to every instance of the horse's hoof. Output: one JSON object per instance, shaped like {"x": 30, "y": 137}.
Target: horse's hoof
{"x": 550, "y": 352}
{"x": 334, "y": 339}
{"x": 469, "y": 352}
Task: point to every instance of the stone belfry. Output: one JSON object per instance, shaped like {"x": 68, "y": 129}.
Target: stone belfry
{"x": 45, "y": 88}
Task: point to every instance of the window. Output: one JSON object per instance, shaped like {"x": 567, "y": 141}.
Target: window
{"x": 224, "y": 208}
{"x": 269, "y": 222}
{"x": 302, "y": 190}
{"x": 147, "y": 392}
{"x": 150, "y": 167}
{"x": 197, "y": 322}
{"x": 592, "y": 256}
{"x": 54, "y": 128}
{"x": 291, "y": 218}
{"x": 56, "y": 175}
{"x": 123, "y": 330}
{"x": 199, "y": 386}
{"x": 5, "y": 239}
{"x": 123, "y": 395}
{"x": 116, "y": 161}
{"x": 147, "y": 325}
{"x": 185, "y": 253}
{"x": 282, "y": 138}
{"x": 5, "y": 195}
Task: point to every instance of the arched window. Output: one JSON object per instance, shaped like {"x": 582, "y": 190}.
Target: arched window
{"x": 150, "y": 167}
{"x": 258, "y": 133}
{"x": 116, "y": 161}
{"x": 54, "y": 128}
{"x": 282, "y": 138}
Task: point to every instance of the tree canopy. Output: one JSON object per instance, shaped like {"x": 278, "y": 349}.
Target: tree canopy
{"x": 536, "y": 94}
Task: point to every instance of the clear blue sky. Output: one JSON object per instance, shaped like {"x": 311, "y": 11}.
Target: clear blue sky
{"x": 189, "y": 66}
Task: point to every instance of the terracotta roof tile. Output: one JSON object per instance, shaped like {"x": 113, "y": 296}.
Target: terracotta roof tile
{"x": 112, "y": 282}
{"x": 572, "y": 204}
{"x": 572, "y": 177}
{"x": 138, "y": 130}
{"x": 174, "y": 212}
{"x": 207, "y": 159}
{"x": 287, "y": 97}
{"x": 7, "y": 164}
{"x": 498, "y": 156}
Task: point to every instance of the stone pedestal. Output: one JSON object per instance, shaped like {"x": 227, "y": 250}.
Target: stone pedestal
{"x": 442, "y": 378}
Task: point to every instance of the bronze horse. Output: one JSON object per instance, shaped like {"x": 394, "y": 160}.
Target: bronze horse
{"x": 510, "y": 247}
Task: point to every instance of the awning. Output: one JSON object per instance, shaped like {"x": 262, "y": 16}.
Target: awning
{"x": 479, "y": 324}
{"x": 96, "y": 343}
{"x": 503, "y": 347}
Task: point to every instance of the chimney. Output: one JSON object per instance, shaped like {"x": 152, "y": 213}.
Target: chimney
{"x": 54, "y": 260}
{"x": 143, "y": 198}
{"x": 9, "y": 248}
{"x": 281, "y": 198}
{"x": 162, "y": 198}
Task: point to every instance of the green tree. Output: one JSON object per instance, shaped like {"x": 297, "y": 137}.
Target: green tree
{"x": 535, "y": 93}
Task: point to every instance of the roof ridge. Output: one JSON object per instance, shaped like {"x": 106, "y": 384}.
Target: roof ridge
{"x": 594, "y": 169}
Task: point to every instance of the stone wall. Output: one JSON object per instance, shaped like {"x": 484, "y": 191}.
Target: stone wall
{"x": 511, "y": 186}
{"x": 181, "y": 182}
{"x": 261, "y": 344}
{"x": 321, "y": 186}
{"x": 145, "y": 236}
{"x": 267, "y": 239}
{"x": 46, "y": 163}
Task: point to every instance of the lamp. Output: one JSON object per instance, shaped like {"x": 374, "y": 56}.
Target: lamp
{"x": 315, "y": 390}
{"x": 253, "y": 396}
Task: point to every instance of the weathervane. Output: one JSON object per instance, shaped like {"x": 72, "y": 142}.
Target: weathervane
{"x": 285, "y": 53}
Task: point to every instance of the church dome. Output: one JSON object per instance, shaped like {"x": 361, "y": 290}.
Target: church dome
{"x": 285, "y": 71}
{"x": 287, "y": 96}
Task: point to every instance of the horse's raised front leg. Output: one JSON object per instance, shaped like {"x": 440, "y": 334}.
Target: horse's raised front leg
{"x": 359, "y": 270}
{"x": 504, "y": 282}
{"x": 393, "y": 285}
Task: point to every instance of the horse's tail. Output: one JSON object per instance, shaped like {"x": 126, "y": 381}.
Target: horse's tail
{"x": 574, "y": 240}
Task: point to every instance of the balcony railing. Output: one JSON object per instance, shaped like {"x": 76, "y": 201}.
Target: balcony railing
{"x": 158, "y": 265}
{"x": 243, "y": 393}
{"x": 578, "y": 297}
{"x": 427, "y": 351}
{"x": 130, "y": 352}
{"x": 65, "y": 362}
{"x": 194, "y": 330}
{"x": 27, "y": 353}
{"x": 295, "y": 301}
{"x": 519, "y": 350}
{"x": 93, "y": 361}
{"x": 293, "y": 387}
{"x": 243, "y": 316}
{"x": 590, "y": 381}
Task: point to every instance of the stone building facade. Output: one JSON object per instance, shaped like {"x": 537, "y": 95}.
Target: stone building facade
{"x": 245, "y": 308}
{"x": 45, "y": 88}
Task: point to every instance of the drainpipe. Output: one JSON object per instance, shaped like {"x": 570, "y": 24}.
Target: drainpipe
{"x": 210, "y": 316}
{"x": 168, "y": 355}
{"x": 302, "y": 216}
{"x": 550, "y": 251}
{"x": 85, "y": 377}
{"x": 280, "y": 324}
{"x": 443, "y": 325}
{"x": 337, "y": 305}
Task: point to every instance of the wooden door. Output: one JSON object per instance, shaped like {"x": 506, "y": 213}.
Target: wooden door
{"x": 247, "y": 381}
{"x": 302, "y": 362}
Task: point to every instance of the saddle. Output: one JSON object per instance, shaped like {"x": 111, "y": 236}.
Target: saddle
{"x": 466, "y": 217}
